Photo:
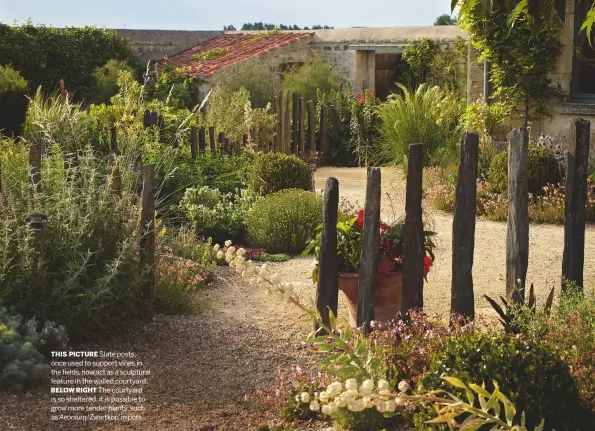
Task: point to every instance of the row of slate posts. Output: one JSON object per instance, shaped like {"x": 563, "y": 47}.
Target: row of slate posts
{"x": 291, "y": 136}
{"x": 463, "y": 241}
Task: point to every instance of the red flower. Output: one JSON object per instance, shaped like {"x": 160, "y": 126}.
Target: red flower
{"x": 427, "y": 264}
{"x": 360, "y": 219}
{"x": 384, "y": 227}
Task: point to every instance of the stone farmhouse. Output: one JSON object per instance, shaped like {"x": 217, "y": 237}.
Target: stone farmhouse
{"x": 368, "y": 57}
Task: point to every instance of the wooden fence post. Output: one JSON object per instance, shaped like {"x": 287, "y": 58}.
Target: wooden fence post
{"x": 302, "y": 123}
{"x": 336, "y": 128}
{"x": 327, "y": 287}
{"x": 113, "y": 138}
{"x": 463, "y": 230}
{"x": 369, "y": 262}
{"x": 245, "y": 139}
{"x": 324, "y": 147}
{"x": 154, "y": 119}
{"x": 286, "y": 126}
{"x": 35, "y": 165}
{"x": 212, "y": 138}
{"x": 573, "y": 259}
{"x": 311, "y": 128}
{"x": 517, "y": 237}
{"x": 295, "y": 124}
{"x": 221, "y": 141}
{"x": 147, "y": 119}
{"x": 413, "y": 248}
{"x": 115, "y": 177}
{"x": 147, "y": 245}
{"x": 194, "y": 142}
{"x": 202, "y": 141}
{"x": 281, "y": 121}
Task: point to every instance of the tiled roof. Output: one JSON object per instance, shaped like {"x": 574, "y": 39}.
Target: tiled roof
{"x": 228, "y": 49}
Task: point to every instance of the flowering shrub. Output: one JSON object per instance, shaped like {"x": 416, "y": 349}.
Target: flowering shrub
{"x": 350, "y": 245}
{"x": 273, "y": 172}
{"x": 218, "y": 215}
{"x": 178, "y": 283}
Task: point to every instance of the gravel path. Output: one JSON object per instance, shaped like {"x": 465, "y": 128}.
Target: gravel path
{"x": 204, "y": 366}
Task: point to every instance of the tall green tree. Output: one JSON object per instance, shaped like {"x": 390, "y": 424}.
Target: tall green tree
{"x": 522, "y": 57}
{"x": 446, "y": 19}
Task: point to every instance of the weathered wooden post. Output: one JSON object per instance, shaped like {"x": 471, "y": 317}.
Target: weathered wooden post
{"x": 147, "y": 119}
{"x": 275, "y": 143}
{"x": 336, "y": 128}
{"x": 327, "y": 287}
{"x": 302, "y": 123}
{"x": 221, "y": 141}
{"x": 573, "y": 259}
{"x": 154, "y": 119}
{"x": 194, "y": 142}
{"x": 463, "y": 230}
{"x": 245, "y": 139}
{"x": 369, "y": 262}
{"x": 324, "y": 146}
{"x": 286, "y": 126}
{"x": 414, "y": 245}
{"x": 227, "y": 147}
{"x": 295, "y": 124}
{"x": 114, "y": 174}
{"x": 113, "y": 138}
{"x": 35, "y": 165}
{"x": 281, "y": 121}
{"x": 147, "y": 245}
{"x": 202, "y": 141}
{"x": 517, "y": 237}
{"x": 311, "y": 128}
{"x": 212, "y": 138}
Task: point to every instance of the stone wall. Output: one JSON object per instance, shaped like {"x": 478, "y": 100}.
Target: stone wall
{"x": 156, "y": 44}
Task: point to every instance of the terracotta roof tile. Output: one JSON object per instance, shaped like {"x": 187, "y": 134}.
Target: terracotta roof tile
{"x": 233, "y": 48}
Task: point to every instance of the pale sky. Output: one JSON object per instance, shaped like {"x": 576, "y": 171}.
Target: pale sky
{"x": 214, "y": 14}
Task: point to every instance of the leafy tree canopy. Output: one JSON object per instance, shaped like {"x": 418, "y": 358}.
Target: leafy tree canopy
{"x": 267, "y": 26}
{"x": 446, "y": 19}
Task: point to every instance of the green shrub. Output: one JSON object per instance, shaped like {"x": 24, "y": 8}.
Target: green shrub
{"x": 368, "y": 420}
{"x": 82, "y": 270}
{"x": 543, "y": 169}
{"x": 536, "y": 380}
{"x": 106, "y": 80}
{"x": 217, "y": 215}
{"x": 312, "y": 78}
{"x": 223, "y": 172}
{"x": 21, "y": 347}
{"x": 13, "y": 101}
{"x": 44, "y": 55}
{"x": 273, "y": 172}
{"x": 424, "y": 116}
{"x": 284, "y": 221}
{"x": 258, "y": 77}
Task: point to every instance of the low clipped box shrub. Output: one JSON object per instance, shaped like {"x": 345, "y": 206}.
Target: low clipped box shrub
{"x": 13, "y": 101}
{"x": 535, "y": 378}
{"x": 273, "y": 172}
{"x": 283, "y": 222}
{"x": 543, "y": 169}
{"x": 22, "y": 348}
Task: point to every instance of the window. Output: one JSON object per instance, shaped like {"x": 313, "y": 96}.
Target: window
{"x": 583, "y": 70}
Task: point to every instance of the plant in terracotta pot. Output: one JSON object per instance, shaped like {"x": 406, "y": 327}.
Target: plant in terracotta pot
{"x": 389, "y": 280}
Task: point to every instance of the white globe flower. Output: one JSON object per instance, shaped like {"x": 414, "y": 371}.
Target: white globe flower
{"x": 365, "y": 391}
{"x": 314, "y": 406}
{"x": 324, "y": 397}
{"x": 383, "y": 384}
{"x": 368, "y": 402}
{"x": 384, "y": 394}
{"x": 228, "y": 258}
{"x": 228, "y": 243}
{"x": 356, "y": 406}
{"x": 335, "y": 388}
{"x": 325, "y": 410}
{"x": 369, "y": 383}
{"x": 403, "y": 386}
{"x": 242, "y": 251}
{"x": 232, "y": 263}
{"x": 220, "y": 254}
{"x": 381, "y": 407}
{"x": 305, "y": 397}
{"x": 351, "y": 384}
{"x": 231, "y": 250}
{"x": 391, "y": 406}
{"x": 216, "y": 247}
{"x": 400, "y": 401}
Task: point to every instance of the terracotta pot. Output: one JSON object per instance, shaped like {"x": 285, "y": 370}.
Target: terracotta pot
{"x": 387, "y": 295}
